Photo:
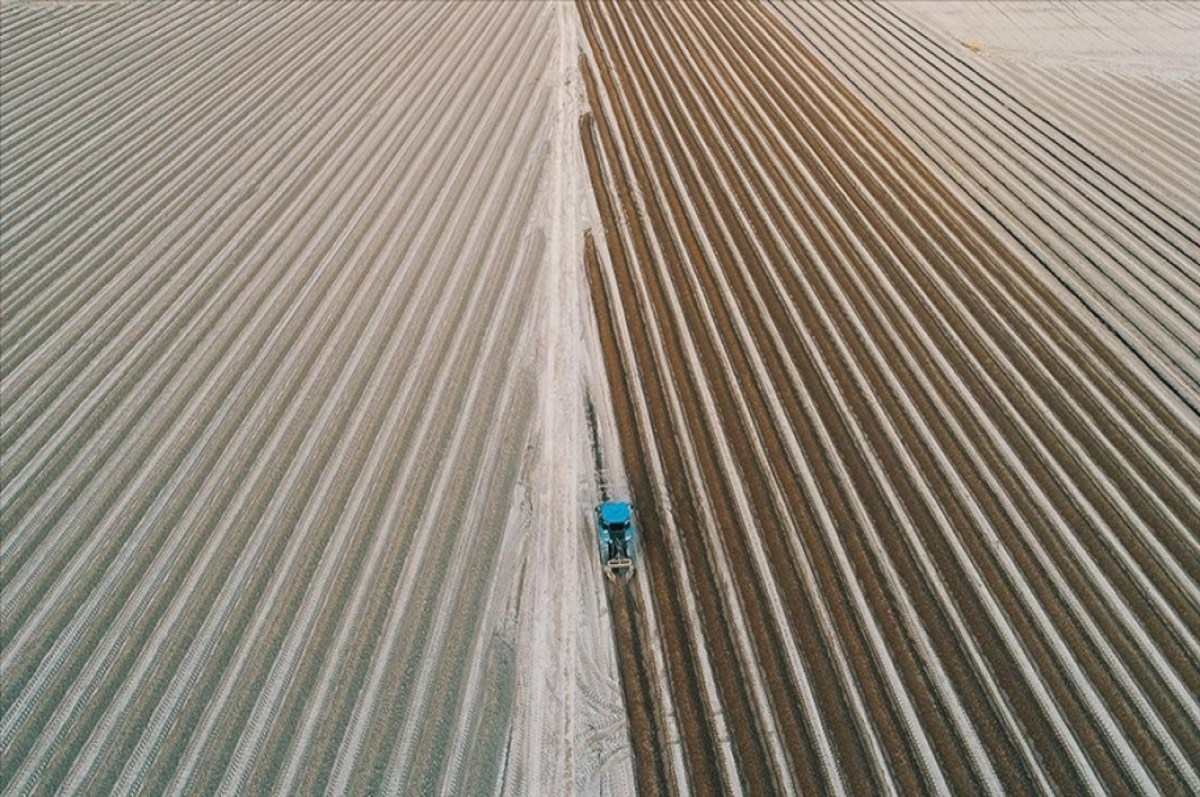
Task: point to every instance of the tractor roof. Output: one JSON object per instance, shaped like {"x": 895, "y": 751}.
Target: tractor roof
{"x": 615, "y": 513}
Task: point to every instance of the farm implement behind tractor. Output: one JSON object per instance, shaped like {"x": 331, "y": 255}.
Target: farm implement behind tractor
{"x": 618, "y": 540}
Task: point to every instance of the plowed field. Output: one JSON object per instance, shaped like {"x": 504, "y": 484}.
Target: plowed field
{"x": 295, "y": 471}
{"x": 920, "y": 497}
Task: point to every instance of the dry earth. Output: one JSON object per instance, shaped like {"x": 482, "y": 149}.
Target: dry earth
{"x": 318, "y": 347}
{"x": 296, "y": 471}
{"x": 920, "y": 497}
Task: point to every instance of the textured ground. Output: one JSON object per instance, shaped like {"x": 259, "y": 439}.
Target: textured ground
{"x": 908, "y": 383}
{"x": 296, "y": 468}
{"x": 324, "y": 325}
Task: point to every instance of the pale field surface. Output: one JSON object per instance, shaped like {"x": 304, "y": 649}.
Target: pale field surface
{"x": 1150, "y": 38}
{"x": 1122, "y": 76}
{"x": 1090, "y": 173}
{"x": 296, "y": 354}
{"x": 305, "y": 410}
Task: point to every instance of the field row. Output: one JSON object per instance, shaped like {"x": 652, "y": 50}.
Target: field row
{"x": 270, "y": 384}
{"x": 1086, "y": 175}
{"x": 911, "y": 523}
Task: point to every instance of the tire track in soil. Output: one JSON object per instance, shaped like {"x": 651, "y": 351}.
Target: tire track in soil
{"x": 636, "y": 673}
{"x": 698, "y": 738}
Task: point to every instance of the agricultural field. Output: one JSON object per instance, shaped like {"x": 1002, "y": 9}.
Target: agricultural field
{"x": 905, "y": 322}
{"x": 324, "y": 325}
{"x": 296, "y": 463}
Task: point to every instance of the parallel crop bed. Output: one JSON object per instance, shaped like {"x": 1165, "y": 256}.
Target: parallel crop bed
{"x": 918, "y": 517}
{"x": 269, "y": 290}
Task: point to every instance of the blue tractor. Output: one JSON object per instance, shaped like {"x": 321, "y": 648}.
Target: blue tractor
{"x": 618, "y": 539}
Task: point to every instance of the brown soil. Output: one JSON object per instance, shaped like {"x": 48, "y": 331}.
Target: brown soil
{"x": 793, "y": 279}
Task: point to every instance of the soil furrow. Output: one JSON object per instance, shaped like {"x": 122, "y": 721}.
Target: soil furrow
{"x": 615, "y": 201}
{"x": 954, "y": 396}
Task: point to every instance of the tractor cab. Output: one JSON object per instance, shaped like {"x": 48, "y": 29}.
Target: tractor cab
{"x": 618, "y": 539}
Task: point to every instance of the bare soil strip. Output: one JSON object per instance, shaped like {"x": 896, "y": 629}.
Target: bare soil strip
{"x": 939, "y": 535}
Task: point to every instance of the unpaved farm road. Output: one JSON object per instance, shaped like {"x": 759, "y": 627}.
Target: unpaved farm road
{"x": 917, "y": 518}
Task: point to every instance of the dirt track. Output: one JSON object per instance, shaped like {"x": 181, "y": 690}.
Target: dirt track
{"x": 913, "y": 522}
